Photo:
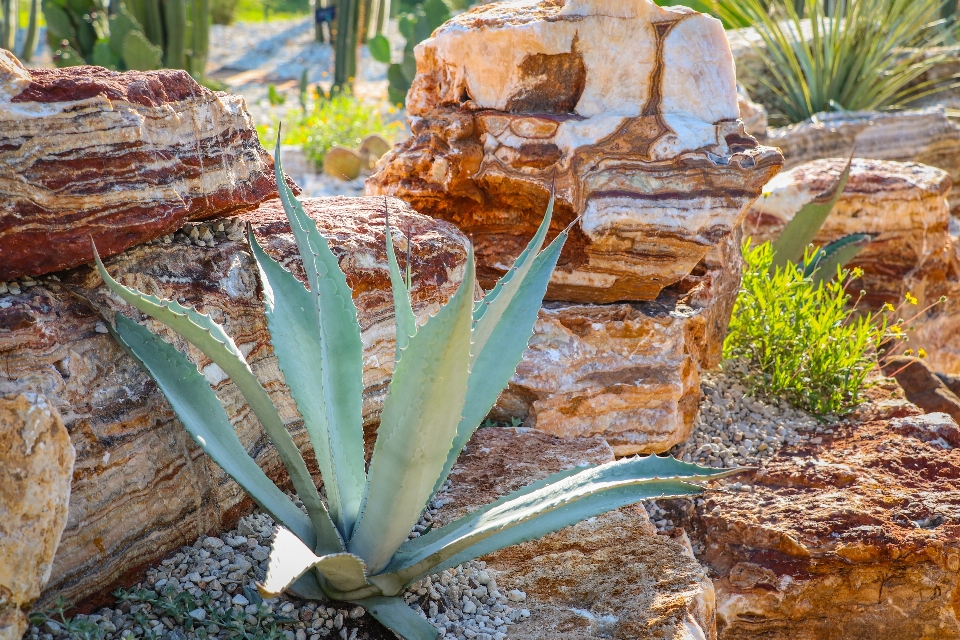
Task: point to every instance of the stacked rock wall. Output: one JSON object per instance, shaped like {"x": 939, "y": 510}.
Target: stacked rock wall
{"x": 643, "y": 149}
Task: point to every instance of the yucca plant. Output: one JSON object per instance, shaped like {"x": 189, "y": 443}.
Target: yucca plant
{"x": 863, "y": 55}
{"x": 447, "y": 376}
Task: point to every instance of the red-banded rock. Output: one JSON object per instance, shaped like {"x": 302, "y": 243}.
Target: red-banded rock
{"x": 122, "y": 157}
{"x": 141, "y": 488}
{"x": 608, "y": 577}
{"x": 857, "y": 537}
{"x": 36, "y": 465}
{"x": 905, "y": 205}
{"x": 628, "y": 372}
{"x": 513, "y": 100}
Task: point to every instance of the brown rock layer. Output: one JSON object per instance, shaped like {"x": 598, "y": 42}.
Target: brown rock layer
{"x": 141, "y": 488}
{"x": 659, "y": 172}
{"x": 927, "y": 136}
{"x": 122, "y": 157}
{"x": 854, "y": 538}
{"x": 610, "y": 577}
{"x": 36, "y": 464}
{"x": 904, "y": 206}
{"x": 627, "y": 372}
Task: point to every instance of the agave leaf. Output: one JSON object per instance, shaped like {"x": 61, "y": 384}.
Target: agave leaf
{"x": 417, "y": 427}
{"x": 803, "y": 228}
{"x": 201, "y": 331}
{"x": 403, "y": 311}
{"x": 304, "y": 356}
{"x": 529, "y": 514}
{"x": 507, "y": 339}
{"x": 394, "y": 614}
{"x": 327, "y": 382}
{"x": 203, "y": 417}
{"x": 829, "y": 259}
{"x": 290, "y": 559}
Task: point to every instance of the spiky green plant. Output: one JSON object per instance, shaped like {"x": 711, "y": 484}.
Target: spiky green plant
{"x": 448, "y": 374}
{"x": 863, "y": 55}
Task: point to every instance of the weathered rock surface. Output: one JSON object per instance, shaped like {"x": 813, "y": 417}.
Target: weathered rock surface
{"x": 646, "y": 145}
{"x": 122, "y": 157}
{"x": 141, "y": 488}
{"x": 611, "y": 577}
{"x": 913, "y": 252}
{"x": 854, "y": 538}
{"x": 927, "y": 136}
{"x": 36, "y": 465}
{"x": 922, "y": 386}
{"x": 628, "y": 372}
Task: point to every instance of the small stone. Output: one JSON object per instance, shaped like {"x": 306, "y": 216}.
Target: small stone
{"x": 356, "y": 612}
{"x": 198, "y": 614}
{"x": 515, "y": 595}
{"x": 240, "y": 600}
{"x": 100, "y": 328}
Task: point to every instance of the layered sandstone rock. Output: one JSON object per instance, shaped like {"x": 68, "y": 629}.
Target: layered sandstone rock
{"x": 36, "y": 466}
{"x": 904, "y": 205}
{"x": 121, "y": 157}
{"x": 141, "y": 488}
{"x": 628, "y": 372}
{"x": 927, "y": 136}
{"x": 856, "y": 537}
{"x": 610, "y": 577}
{"x": 645, "y": 145}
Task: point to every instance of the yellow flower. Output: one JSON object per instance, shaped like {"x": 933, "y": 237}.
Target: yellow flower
{"x": 911, "y": 299}
{"x": 888, "y": 307}
{"x": 908, "y": 352}
{"x": 896, "y": 330}
{"x": 857, "y": 272}
{"x": 922, "y": 353}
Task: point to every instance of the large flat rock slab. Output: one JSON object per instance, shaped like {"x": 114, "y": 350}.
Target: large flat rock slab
{"x": 119, "y": 157}
{"x": 141, "y": 488}
{"x": 608, "y": 577}
{"x": 645, "y": 146}
{"x": 857, "y": 537}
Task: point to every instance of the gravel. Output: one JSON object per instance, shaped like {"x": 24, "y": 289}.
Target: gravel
{"x": 207, "y": 590}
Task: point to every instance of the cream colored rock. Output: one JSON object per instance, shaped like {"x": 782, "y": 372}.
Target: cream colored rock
{"x": 628, "y": 372}
{"x": 36, "y": 467}
{"x": 927, "y": 136}
{"x": 754, "y": 116}
{"x": 904, "y": 205}
{"x": 513, "y": 100}
{"x": 142, "y": 488}
{"x": 609, "y": 577}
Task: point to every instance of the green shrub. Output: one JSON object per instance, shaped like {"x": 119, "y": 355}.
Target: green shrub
{"x": 871, "y": 54}
{"x": 806, "y": 342}
{"x": 341, "y": 120}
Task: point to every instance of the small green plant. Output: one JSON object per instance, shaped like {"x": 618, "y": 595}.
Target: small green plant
{"x": 416, "y": 26}
{"x": 863, "y": 55}
{"x": 78, "y": 629}
{"x": 806, "y": 342}
{"x": 274, "y": 97}
{"x": 341, "y": 120}
{"x": 447, "y": 376}
{"x": 134, "y": 34}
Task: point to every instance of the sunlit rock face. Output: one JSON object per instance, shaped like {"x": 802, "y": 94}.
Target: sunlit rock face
{"x": 905, "y": 206}
{"x": 141, "y": 487}
{"x": 628, "y": 110}
{"x": 122, "y": 158}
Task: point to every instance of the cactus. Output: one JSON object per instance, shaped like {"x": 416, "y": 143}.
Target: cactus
{"x": 415, "y": 27}
{"x": 134, "y": 34}
{"x": 448, "y": 374}
{"x": 345, "y": 48}
{"x": 9, "y": 19}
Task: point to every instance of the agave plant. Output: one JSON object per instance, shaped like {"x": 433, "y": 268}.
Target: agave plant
{"x": 448, "y": 373}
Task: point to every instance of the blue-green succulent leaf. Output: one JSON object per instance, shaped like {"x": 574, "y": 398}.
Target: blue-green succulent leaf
{"x": 405, "y": 320}
{"x": 290, "y": 559}
{"x": 208, "y": 336}
{"x": 336, "y": 434}
{"x": 394, "y": 614}
{"x": 554, "y": 504}
{"x": 419, "y": 421}
{"x": 829, "y": 259}
{"x": 203, "y": 417}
